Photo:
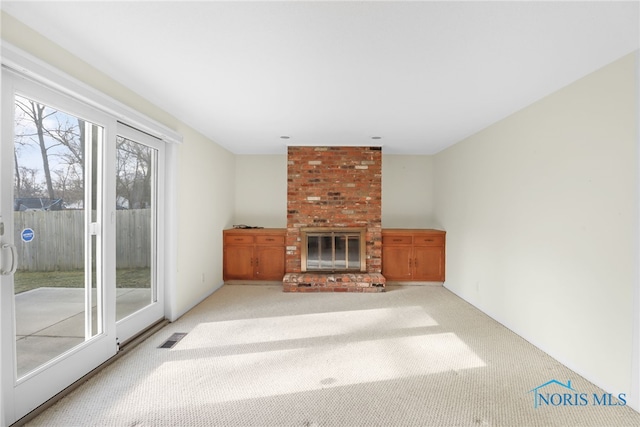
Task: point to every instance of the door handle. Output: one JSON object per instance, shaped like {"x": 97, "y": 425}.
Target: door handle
{"x": 14, "y": 259}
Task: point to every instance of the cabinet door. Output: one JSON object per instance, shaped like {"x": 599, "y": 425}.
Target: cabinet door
{"x": 269, "y": 263}
{"x": 428, "y": 263}
{"x": 238, "y": 262}
{"x": 396, "y": 262}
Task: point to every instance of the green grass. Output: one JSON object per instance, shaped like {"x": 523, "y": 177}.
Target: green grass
{"x": 28, "y": 280}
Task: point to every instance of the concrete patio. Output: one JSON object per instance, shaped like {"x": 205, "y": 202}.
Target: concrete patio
{"x": 50, "y": 321}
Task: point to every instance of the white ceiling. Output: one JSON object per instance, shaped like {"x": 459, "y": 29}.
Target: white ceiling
{"x": 420, "y": 75}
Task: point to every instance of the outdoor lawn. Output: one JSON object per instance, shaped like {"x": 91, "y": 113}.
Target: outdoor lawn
{"x": 125, "y": 278}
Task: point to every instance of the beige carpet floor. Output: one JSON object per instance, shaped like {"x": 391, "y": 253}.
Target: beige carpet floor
{"x": 255, "y": 356}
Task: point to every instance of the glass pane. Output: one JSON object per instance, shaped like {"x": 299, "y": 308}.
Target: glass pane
{"x": 51, "y": 187}
{"x": 135, "y": 226}
{"x": 326, "y": 261}
{"x": 93, "y": 135}
{"x": 333, "y": 251}
{"x": 354, "y": 252}
{"x": 313, "y": 252}
{"x": 340, "y": 252}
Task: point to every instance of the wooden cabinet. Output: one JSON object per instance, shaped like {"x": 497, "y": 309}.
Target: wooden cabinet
{"x": 413, "y": 255}
{"x": 254, "y": 254}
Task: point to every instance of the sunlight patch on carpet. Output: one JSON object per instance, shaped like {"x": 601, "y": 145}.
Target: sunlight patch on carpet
{"x": 273, "y": 373}
{"x": 250, "y": 331}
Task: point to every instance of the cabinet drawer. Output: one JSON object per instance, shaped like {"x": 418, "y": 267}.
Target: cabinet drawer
{"x": 237, "y": 239}
{"x": 396, "y": 240}
{"x": 270, "y": 240}
{"x": 429, "y": 240}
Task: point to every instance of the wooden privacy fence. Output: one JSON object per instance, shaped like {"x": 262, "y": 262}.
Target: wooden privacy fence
{"x": 58, "y": 239}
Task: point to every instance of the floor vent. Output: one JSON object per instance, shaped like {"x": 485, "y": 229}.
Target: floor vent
{"x": 173, "y": 340}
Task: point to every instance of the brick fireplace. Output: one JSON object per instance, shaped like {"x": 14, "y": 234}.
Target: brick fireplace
{"x": 334, "y": 188}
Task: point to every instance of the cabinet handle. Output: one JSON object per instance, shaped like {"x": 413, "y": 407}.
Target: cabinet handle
{"x": 270, "y": 239}
{"x": 397, "y": 240}
{"x": 238, "y": 239}
{"x": 257, "y": 262}
{"x": 429, "y": 240}
{"x": 416, "y": 262}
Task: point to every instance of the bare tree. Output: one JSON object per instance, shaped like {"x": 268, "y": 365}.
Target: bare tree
{"x": 133, "y": 174}
{"x": 69, "y": 184}
{"x": 18, "y": 180}
{"x": 59, "y": 140}
{"x": 36, "y": 113}
{"x": 29, "y": 185}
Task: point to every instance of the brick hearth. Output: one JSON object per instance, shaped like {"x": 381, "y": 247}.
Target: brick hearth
{"x": 333, "y": 282}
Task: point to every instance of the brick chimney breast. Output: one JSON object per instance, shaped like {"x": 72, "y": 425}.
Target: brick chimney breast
{"x": 335, "y": 187}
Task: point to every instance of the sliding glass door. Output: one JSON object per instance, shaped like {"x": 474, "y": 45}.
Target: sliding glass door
{"x": 81, "y": 240}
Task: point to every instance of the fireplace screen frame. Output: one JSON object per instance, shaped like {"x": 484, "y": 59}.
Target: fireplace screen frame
{"x": 347, "y": 232}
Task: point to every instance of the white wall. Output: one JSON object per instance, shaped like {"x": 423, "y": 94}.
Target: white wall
{"x": 407, "y": 192}
{"x": 541, "y": 214}
{"x": 205, "y": 174}
{"x": 205, "y": 207}
{"x": 261, "y": 189}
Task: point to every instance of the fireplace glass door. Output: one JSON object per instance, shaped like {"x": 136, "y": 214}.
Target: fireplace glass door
{"x": 333, "y": 251}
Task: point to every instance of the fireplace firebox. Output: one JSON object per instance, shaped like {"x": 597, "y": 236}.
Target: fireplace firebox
{"x": 333, "y": 249}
